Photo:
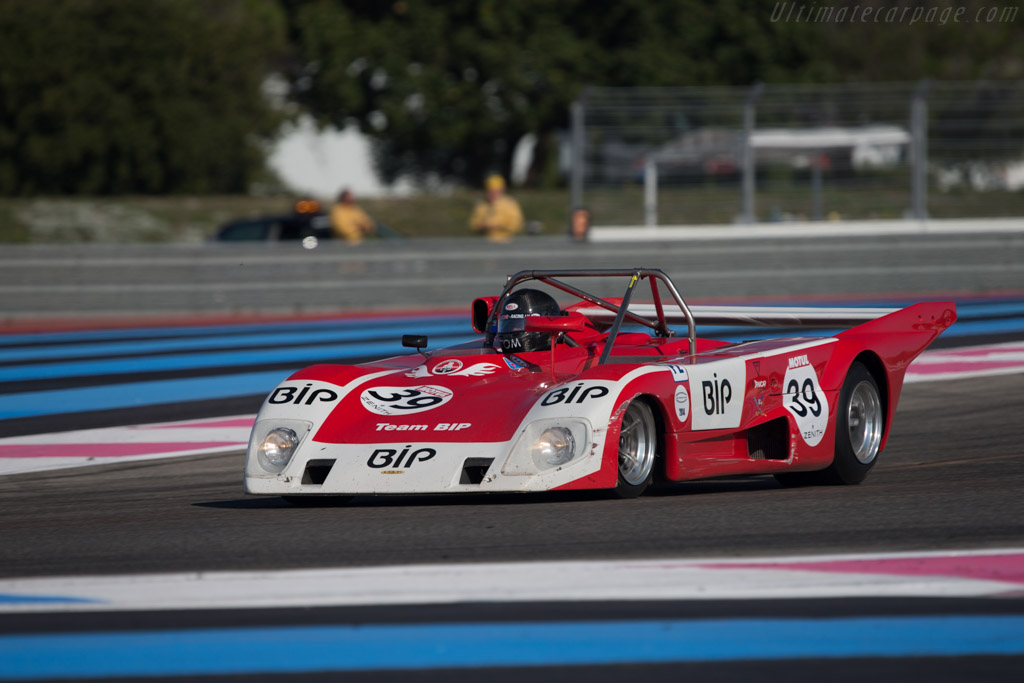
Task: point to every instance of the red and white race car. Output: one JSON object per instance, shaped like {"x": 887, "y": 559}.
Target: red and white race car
{"x": 599, "y": 394}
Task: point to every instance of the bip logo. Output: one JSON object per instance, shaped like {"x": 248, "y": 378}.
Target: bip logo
{"x": 721, "y": 384}
{"x": 717, "y": 394}
{"x": 402, "y": 460}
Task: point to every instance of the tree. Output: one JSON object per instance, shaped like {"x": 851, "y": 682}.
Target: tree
{"x": 448, "y": 87}
{"x": 116, "y": 96}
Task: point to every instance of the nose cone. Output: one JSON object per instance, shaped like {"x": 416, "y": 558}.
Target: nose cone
{"x": 455, "y": 399}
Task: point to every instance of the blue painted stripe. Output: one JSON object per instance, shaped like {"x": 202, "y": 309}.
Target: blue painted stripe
{"x": 195, "y": 330}
{"x": 217, "y": 359}
{"x": 9, "y": 599}
{"x": 283, "y": 336}
{"x": 969, "y": 309}
{"x": 967, "y": 328}
{"x": 137, "y": 394}
{"x": 431, "y": 646}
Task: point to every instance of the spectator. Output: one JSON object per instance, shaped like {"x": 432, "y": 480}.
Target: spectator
{"x": 348, "y": 221}
{"x": 580, "y": 224}
{"x": 499, "y": 216}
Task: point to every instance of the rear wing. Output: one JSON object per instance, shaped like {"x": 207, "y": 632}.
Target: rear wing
{"x": 747, "y": 316}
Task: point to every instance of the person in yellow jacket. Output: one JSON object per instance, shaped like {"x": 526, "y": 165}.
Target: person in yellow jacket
{"x": 499, "y": 216}
{"x": 348, "y": 221}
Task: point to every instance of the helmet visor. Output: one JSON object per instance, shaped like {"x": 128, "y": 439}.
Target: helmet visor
{"x": 510, "y": 323}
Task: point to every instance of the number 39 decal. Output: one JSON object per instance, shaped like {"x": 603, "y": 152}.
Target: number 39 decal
{"x": 806, "y": 401}
{"x": 404, "y": 400}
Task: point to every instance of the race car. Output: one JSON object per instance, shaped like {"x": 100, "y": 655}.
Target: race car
{"x": 597, "y": 392}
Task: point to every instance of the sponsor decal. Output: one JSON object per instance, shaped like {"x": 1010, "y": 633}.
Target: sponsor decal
{"x": 798, "y": 362}
{"x": 453, "y": 368}
{"x": 447, "y": 367}
{"x": 682, "y": 403}
{"x": 678, "y": 372}
{"x": 512, "y": 363}
{"x": 399, "y": 460}
{"x": 718, "y": 394}
{"x": 578, "y": 393}
{"x": 302, "y": 395}
{"x": 760, "y": 383}
{"x": 758, "y": 399}
{"x": 405, "y": 400}
{"x": 803, "y": 398}
{"x": 512, "y": 306}
{"x": 511, "y": 344}
{"x": 439, "y": 427}
{"x": 477, "y": 370}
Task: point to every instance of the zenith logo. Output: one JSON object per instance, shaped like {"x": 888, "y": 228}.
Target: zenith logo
{"x": 798, "y": 361}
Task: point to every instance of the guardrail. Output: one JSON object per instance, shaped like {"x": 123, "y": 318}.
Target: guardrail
{"x": 45, "y": 282}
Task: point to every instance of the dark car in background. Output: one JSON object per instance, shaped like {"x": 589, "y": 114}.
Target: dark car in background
{"x": 306, "y": 224}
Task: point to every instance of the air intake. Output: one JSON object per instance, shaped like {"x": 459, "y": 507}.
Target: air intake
{"x": 474, "y": 470}
{"x": 769, "y": 441}
{"x": 316, "y": 472}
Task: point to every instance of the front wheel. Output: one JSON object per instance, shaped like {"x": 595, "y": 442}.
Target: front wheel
{"x": 638, "y": 449}
{"x": 860, "y": 423}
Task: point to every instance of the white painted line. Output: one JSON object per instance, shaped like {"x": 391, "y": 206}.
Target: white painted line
{"x": 802, "y": 229}
{"x": 970, "y": 574}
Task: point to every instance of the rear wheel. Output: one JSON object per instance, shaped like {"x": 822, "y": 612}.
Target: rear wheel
{"x": 860, "y": 424}
{"x": 638, "y": 449}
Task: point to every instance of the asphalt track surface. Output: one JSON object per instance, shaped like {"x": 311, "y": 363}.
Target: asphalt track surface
{"x": 951, "y": 477}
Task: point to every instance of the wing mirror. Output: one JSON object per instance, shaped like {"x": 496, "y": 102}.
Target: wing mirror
{"x": 415, "y": 341}
{"x": 482, "y": 308}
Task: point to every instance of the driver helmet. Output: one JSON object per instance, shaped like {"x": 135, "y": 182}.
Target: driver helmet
{"x": 512, "y": 320}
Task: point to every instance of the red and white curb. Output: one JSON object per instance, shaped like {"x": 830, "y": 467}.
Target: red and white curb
{"x": 227, "y": 435}
{"x": 980, "y": 573}
{"x": 121, "y": 444}
{"x": 965, "y": 363}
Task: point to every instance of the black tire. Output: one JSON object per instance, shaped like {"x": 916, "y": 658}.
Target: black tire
{"x": 316, "y": 501}
{"x": 860, "y": 425}
{"x": 638, "y": 450}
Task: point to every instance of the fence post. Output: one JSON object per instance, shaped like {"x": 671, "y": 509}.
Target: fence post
{"x": 749, "y": 114}
{"x": 650, "y": 193}
{"x": 919, "y": 150}
{"x": 576, "y": 180}
{"x": 817, "y": 210}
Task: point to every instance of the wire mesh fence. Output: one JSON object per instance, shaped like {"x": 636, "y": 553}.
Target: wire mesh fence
{"x": 799, "y": 152}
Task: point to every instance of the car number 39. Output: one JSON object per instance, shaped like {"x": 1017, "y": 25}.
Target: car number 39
{"x": 802, "y": 399}
{"x": 404, "y": 400}
{"x": 805, "y": 400}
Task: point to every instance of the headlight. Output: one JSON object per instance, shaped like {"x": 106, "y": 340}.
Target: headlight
{"x": 556, "y": 446}
{"x": 277, "y": 449}
{"x": 272, "y": 445}
{"x": 548, "y": 444}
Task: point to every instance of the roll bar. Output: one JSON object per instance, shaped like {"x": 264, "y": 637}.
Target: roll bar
{"x": 621, "y": 312}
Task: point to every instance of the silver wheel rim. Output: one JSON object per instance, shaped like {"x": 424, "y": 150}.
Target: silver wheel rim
{"x": 637, "y": 444}
{"x": 864, "y": 419}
